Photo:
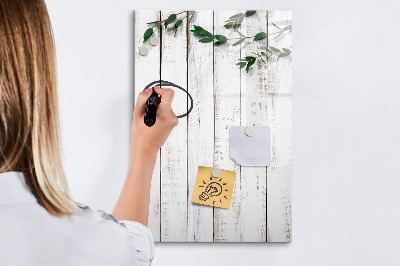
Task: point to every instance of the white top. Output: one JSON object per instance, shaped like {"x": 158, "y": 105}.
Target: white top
{"x": 31, "y": 236}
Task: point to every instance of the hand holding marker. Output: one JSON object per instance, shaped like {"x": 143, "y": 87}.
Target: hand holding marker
{"x": 148, "y": 140}
{"x": 154, "y": 100}
{"x": 151, "y": 109}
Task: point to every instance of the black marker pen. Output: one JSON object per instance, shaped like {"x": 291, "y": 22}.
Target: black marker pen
{"x": 151, "y": 109}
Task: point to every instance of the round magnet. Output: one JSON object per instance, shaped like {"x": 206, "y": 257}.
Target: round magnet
{"x": 143, "y": 51}
{"x": 154, "y": 40}
{"x": 216, "y": 173}
{"x": 250, "y": 131}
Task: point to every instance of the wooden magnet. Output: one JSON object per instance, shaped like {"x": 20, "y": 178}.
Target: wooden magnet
{"x": 154, "y": 40}
{"x": 143, "y": 51}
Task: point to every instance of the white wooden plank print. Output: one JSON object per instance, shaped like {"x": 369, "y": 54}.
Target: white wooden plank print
{"x": 254, "y": 113}
{"x": 143, "y": 76}
{"x": 279, "y": 113}
{"x": 223, "y": 96}
{"x": 227, "y": 223}
{"x": 174, "y": 152}
{"x": 200, "y": 126}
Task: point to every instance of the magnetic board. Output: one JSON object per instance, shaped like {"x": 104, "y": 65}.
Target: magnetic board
{"x": 223, "y": 96}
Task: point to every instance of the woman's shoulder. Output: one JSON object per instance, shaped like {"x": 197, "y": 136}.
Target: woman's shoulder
{"x": 87, "y": 237}
{"x": 99, "y": 223}
{"x": 137, "y": 236}
{"x": 85, "y": 213}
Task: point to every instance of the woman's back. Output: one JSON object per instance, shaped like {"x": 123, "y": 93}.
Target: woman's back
{"x": 29, "y": 235}
{"x": 40, "y": 223}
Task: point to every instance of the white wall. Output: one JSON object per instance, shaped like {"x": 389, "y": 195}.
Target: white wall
{"x": 346, "y": 174}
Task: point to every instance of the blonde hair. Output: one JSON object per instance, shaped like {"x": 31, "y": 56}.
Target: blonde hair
{"x": 29, "y": 122}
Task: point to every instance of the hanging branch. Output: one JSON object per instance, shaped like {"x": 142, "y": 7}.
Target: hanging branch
{"x": 248, "y": 61}
{"x": 234, "y": 22}
{"x": 166, "y": 22}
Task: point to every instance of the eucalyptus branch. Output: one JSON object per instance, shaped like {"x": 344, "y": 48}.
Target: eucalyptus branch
{"x": 248, "y": 61}
{"x": 234, "y": 22}
{"x": 249, "y": 37}
{"x": 161, "y": 21}
{"x": 171, "y": 19}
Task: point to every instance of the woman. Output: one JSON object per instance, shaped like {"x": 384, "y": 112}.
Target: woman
{"x": 40, "y": 224}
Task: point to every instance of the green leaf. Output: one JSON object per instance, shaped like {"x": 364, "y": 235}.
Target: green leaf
{"x": 207, "y": 33}
{"x": 289, "y": 28}
{"x": 276, "y": 50}
{"x": 266, "y": 56}
{"x": 250, "y": 57}
{"x": 241, "y": 64}
{"x": 199, "y": 31}
{"x": 269, "y": 51}
{"x": 147, "y": 34}
{"x": 198, "y": 35}
{"x": 228, "y": 25}
{"x": 250, "y": 13}
{"x": 286, "y": 50}
{"x": 283, "y": 55}
{"x": 236, "y": 16}
{"x": 178, "y": 23}
{"x": 221, "y": 40}
{"x": 153, "y": 22}
{"x": 259, "y": 36}
{"x": 249, "y": 64}
{"x": 175, "y": 28}
{"x": 198, "y": 28}
{"x": 206, "y": 40}
{"x": 171, "y": 18}
{"x": 263, "y": 60}
{"x": 239, "y": 42}
{"x": 239, "y": 22}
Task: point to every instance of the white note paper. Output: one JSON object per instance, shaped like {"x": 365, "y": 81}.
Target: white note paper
{"x": 249, "y": 150}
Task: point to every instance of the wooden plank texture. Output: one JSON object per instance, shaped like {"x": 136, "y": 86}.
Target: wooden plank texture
{"x": 147, "y": 69}
{"x": 223, "y": 96}
{"x": 253, "y": 97}
{"x": 227, "y": 222}
{"x": 279, "y": 114}
{"x": 200, "y": 125}
{"x": 174, "y": 152}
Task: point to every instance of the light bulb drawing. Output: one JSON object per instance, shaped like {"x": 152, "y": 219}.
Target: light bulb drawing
{"x": 213, "y": 189}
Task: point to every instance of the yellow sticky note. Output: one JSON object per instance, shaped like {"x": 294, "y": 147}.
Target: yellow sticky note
{"x": 212, "y": 191}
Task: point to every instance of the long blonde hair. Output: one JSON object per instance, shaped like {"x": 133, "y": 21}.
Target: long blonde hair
{"x": 29, "y": 121}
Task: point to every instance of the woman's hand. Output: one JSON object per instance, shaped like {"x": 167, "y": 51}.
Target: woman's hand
{"x": 148, "y": 140}
{"x": 133, "y": 202}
